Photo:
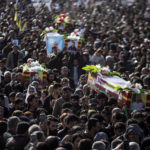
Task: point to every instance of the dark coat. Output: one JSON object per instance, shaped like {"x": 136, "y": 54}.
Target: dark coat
{"x": 10, "y": 60}
{"x": 18, "y": 143}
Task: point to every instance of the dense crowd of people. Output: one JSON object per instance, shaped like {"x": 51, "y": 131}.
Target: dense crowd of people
{"x": 66, "y": 114}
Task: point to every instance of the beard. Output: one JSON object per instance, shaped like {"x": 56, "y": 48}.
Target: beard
{"x": 52, "y": 132}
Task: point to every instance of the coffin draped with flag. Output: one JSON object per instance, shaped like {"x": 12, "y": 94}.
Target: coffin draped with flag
{"x": 33, "y": 71}
{"x": 102, "y": 80}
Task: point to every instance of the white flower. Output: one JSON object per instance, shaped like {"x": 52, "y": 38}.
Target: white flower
{"x": 99, "y": 66}
{"x": 127, "y": 85}
{"x": 138, "y": 86}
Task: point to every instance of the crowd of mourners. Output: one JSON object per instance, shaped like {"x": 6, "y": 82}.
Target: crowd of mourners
{"x": 66, "y": 114}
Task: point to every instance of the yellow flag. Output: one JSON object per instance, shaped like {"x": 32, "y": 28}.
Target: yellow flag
{"x": 24, "y": 26}
{"x": 16, "y": 16}
{"x": 19, "y": 24}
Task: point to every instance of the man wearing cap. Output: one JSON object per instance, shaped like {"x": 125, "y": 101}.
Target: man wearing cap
{"x": 66, "y": 95}
{"x": 13, "y": 57}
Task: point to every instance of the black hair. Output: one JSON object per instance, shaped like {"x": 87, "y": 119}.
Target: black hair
{"x": 145, "y": 143}
{"x": 101, "y": 95}
{"x": 75, "y": 96}
{"x": 92, "y": 123}
{"x": 51, "y": 118}
{"x": 30, "y": 98}
{"x": 2, "y": 97}
{"x": 22, "y": 127}
{"x": 52, "y": 142}
{"x": 120, "y": 125}
{"x": 98, "y": 117}
{"x": 71, "y": 118}
{"x": 42, "y": 146}
{"x": 75, "y": 136}
{"x": 66, "y": 105}
{"x": 3, "y": 127}
{"x": 85, "y": 144}
{"x": 12, "y": 94}
{"x": 56, "y": 85}
{"x": 67, "y": 145}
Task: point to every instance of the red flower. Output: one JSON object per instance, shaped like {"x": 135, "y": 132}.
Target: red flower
{"x": 134, "y": 86}
{"x": 61, "y": 20}
{"x": 63, "y": 15}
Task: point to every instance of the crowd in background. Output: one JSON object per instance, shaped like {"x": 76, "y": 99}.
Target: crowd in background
{"x": 66, "y": 114}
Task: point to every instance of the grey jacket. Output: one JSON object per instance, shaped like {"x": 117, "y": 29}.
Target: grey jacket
{"x": 58, "y": 107}
{"x": 10, "y": 60}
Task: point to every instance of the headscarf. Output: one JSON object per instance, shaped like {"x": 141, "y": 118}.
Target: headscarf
{"x": 27, "y": 95}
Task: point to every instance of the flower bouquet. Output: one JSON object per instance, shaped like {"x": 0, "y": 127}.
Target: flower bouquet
{"x": 34, "y": 71}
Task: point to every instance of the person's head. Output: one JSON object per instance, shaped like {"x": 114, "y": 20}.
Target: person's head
{"x": 144, "y": 71}
{"x": 19, "y": 104}
{"x": 33, "y": 128}
{"x": 64, "y": 71}
{"x": 64, "y": 61}
{"x": 12, "y": 123}
{"x": 112, "y": 102}
{"x": 44, "y": 93}
{"x": 66, "y": 93}
{"x": 22, "y": 128}
{"x": 74, "y": 100}
{"x": 64, "y": 82}
{"x": 15, "y": 48}
{"x": 40, "y": 136}
{"x": 31, "y": 90}
{"x": 146, "y": 81}
{"x": 12, "y": 97}
{"x": 134, "y": 146}
{"x": 71, "y": 120}
{"x": 52, "y": 125}
{"x": 19, "y": 95}
{"x": 42, "y": 146}
{"x": 3, "y": 127}
{"x": 116, "y": 110}
{"x": 118, "y": 117}
{"x": 93, "y": 126}
{"x": 84, "y": 101}
{"x": 106, "y": 114}
{"x": 57, "y": 88}
{"x": 145, "y": 144}
{"x": 67, "y": 145}
{"x": 101, "y": 99}
{"x": 40, "y": 57}
{"x": 56, "y": 72}
{"x": 35, "y": 85}
{"x": 100, "y": 136}
{"x": 79, "y": 92}
{"x": 76, "y": 139}
{"x": 134, "y": 133}
{"x": 75, "y": 62}
{"x": 52, "y": 142}
{"x": 138, "y": 116}
{"x": 119, "y": 128}
{"x": 99, "y": 145}
{"x": 83, "y": 79}
{"x": 32, "y": 101}
{"x": 7, "y": 76}
{"x": 50, "y": 76}
{"x": 98, "y": 52}
{"x": 85, "y": 144}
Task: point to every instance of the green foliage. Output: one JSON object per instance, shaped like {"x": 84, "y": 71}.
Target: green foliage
{"x": 91, "y": 68}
